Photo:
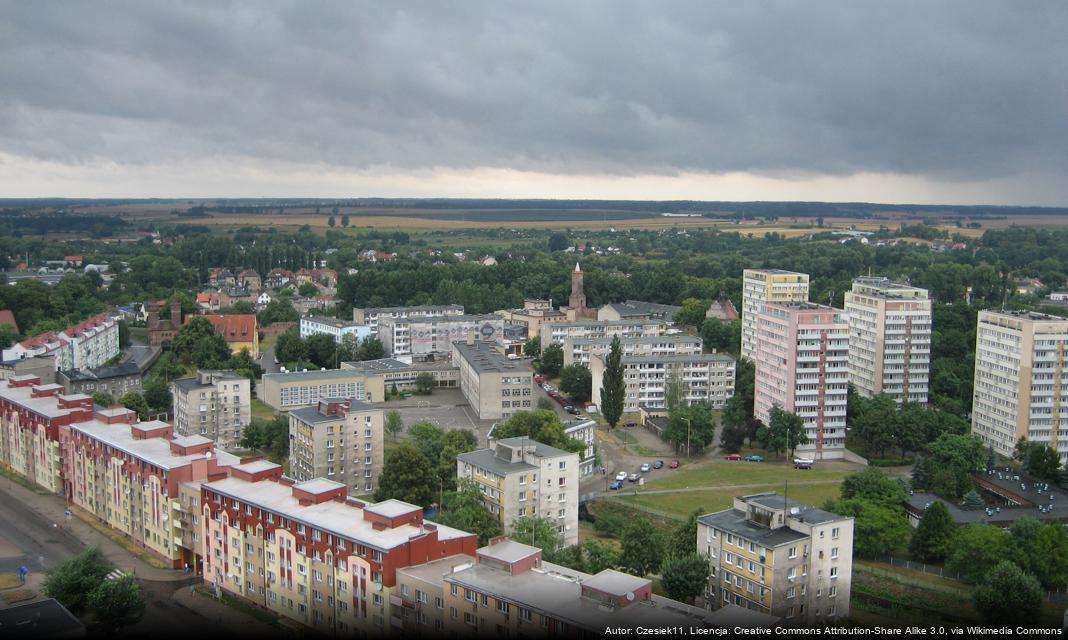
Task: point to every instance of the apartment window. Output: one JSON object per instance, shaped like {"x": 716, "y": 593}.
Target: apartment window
{"x": 439, "y": 602}
{"x": 525, "y": 615}
{"x": 834, "y": 553}
{"x": 834, "y": 572}
{"x": 502, "y": 606}
{"x": 792, "y": 553}
{"x": 469, "y": 595}
{"x": 834, "y": 533}
{"x": 833, "y": 591}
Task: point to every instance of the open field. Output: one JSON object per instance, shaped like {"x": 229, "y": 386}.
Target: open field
{"x": 681, "y": 504}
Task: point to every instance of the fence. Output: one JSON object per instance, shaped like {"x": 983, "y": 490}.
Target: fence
{"x": 1055, "y": 596}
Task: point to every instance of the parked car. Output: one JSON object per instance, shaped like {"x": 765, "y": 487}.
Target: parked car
{"x": 539, "y": 378}
{"x": 659, "y": 464}
{"x": 733, "y": 456}
{"x": 754, "y": 458}
{"x": 621, "y": 476}
{"x": 674, "y": 464}
{"x": 633, "y": 477}
{"x": 803, "y": 463}
{"x": 571, "y": 409}
{"x": 631, "y": 424}
{"x": 616, "y": 484}
{"x": 646, "y": 468}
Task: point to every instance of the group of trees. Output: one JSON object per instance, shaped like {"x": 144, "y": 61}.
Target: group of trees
{"x": 877, "y": 504}
{"x": 82, "y": 586}
{"x": 270, "y": 436}
{"x": 323, "y": 351}
{"x": 541, "y": 425}
{"x": 550, "y": 360}
{"x": 425, "y": 462}
{"x": 946, "y": 469}
{"x": 576, "y": 382}
{"x": 880, "y": 424}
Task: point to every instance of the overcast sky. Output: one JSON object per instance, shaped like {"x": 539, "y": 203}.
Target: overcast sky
{"x": 952, "y": 101}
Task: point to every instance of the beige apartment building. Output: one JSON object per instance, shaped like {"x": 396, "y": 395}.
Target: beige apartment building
{"x": 403, "y": 374}
{"x": 533, "y": 315}
{"x": 703, "y": 377}
{"x": 340, "y": 440}
{"x": 1021, "y": 380}
{"x": 495, "y": 385}
{"x": 556, "y": 333}
{"x": 431, "y": 338}
{"x": 779, "y": 557}
{"x": 215, "y": 404}
{"x": 582, "y": 350}
{"x": 889, "y": 339}
{"x": 522, "y": 478}
{"x": 372, "y": 316}
{"x": 761, "y": 286}
{"x": 294, "y": 389}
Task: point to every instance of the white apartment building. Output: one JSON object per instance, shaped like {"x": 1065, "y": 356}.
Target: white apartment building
{"x": 557, "y": 332}
{"x": 338, "y": 329}
{"x": 431, "y": 338}
{"x": 581, "y": 429}
{"x": 582, "y": 350}
{"x": 339, "y": 439}
{"x": 705, "y": 377}
{"x": 520, "y": 478}
{"x": 214, "y": 404}
{"x": 1021, "y": 382}
{"x": 760, "y": 286}
{"x": 87, "y": 345}
{"x": 779, "y": 557}
{"x": 372, "y": 316}
{"x": 889, "y": 339}
{"x": 802, "y": 366}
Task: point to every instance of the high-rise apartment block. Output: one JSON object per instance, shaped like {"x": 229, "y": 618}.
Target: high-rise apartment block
{"x": 214, "y": 404}
{"x": 521, "y": 478}
{"x": 340, "y": 439}
{"x": 802, "y": 366}
{"x": 761, "y": 286}
{"x": 778, "y": 557}
{"x": 889, "y": 339}
{"x": 1021, "y": 380}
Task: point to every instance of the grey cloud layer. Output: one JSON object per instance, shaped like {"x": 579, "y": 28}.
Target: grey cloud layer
{"x": 957, "y": 90}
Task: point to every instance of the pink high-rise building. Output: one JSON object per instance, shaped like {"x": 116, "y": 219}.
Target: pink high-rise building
{"x": 802, "y": 366}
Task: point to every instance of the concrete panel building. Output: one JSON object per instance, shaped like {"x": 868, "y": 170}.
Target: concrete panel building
{"x": 556, "y": 333}
{"x": 889, "y": 339}
{"x": 533, "y": 315}
{"x": 215, "y": 404}
{"x": 118, "y": 380}
{"x": 403, "y": 374}
{"x": 761, "y": 286}
{"x": 88, "y": 344}
{"x": 294, "y": 389}
{"x": 494, "y": 385}
{"x": 1021, "y": 380}
{"x": 43, "y": 367}
{"x": 522, "y": 478}
{"x": 582, "y": 350}
{"x": 340, "y": 440}
{"x": 802, "y": 366}
{"x": 707, "y": 377}
{"x": 778, "y": 557}
{"x": 337, "y": 329}
{"x": 372, "y": 315}
{"x": 638, "y": 310}
{"x": 432, "y": 338}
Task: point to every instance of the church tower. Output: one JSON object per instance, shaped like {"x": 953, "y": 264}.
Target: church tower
{"x": 577, "y": 301}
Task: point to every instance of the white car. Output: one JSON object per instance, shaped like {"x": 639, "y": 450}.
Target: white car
{"x": 622, "y": 475}
{"x": 646, "y": 468}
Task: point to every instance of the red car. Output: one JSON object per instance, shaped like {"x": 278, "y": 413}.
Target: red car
{"x": 733, "y": 456}
{"x": 539, "y": 379}
{"x": 674, "y": 464}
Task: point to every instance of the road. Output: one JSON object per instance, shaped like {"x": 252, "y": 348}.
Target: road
{"x": 27, "y": 538}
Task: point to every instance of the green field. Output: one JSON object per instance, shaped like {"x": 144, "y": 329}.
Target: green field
{"x": 721, "y": 472}
{"x": 683, "y": 503}
{"x": 261, "y": 411}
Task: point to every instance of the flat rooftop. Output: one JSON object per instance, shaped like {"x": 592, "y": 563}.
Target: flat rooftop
{"x": 313, "y": 376}
{"x": 333, "y": 322}
{"x": 484, "y": 357}
{"x": 155, "y": 451}
{"x": 667, "y": 338}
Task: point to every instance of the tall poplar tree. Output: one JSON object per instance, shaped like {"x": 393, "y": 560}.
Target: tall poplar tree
{"x": 613, "y": 388}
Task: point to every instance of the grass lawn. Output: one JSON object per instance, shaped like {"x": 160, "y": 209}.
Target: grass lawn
{"x": 722, "y": 472}
{"x": 17, "y": 595}
{"x": 683, "y": 503}
{"x": 261, "y": 411}
{"x": 9, "y": 580}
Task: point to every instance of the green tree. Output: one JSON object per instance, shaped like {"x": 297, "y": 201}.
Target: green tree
{"x": 199, "y": 344}
{"x": 691, "y": 427}
{"x": 875, "y": 486}
{"x": 345, "y": 220}
{"x": 74, "y": 579}
{"x": 692, "y": 313}
{"x": 951, "y": 459}
{"x": 540, "y": 533}
{"x": 643, "y": 548}
{"x": 933, "y": 539}
{"x": 465, "y": 509}
{"x": 332, "y": 222}
{"x": 349, "y": 348}
{"x": 878, "y": 529}
{"x": 117, "y": 603}
{"x": 134, "y": 401}
{"x": 1042, "y": 550}
{"x": 394, "y": 424}
{"x": 532, "y": 347}
{"x": 308, "y": 290}
{"x": 577, "y": 382}
{"x": 978, "y": 549}
{"x": 784, "y": 432}
{"x": 722, "y": 336}
{"x": 322, "y": 350}
{"x": 558, "y": 242}
{"x": 1043, "y": 463}
{"x": 407, "y": 476}
{"x": 124, "y": 334}
{"x": 371, "y": 349}
{"x": 104, "y": 399}
{"x": 874, "y": 421}
{"x": 424, "y": 383}
{"x": 613, "y": 386}
{"x": 290, "y": 348}
{"x": 673, "y": 393}
{"x": 684, "y": 577}
{"x": 278, "y": 310}
{"x": 1008, "y": 597}
{"x": 551, "y": 361}
{"x": 599, "y": 555}
{"x": 683, "y": 539}
{"x": 157, "y": 395}
{"x": 541, "y": 425}
{"x": 972, "y": 500}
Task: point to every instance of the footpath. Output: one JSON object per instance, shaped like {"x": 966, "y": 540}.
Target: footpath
{"x": 170, "y": 583}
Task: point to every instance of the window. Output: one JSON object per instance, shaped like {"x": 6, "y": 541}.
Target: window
{"x": 834, "y": 533}
{"x": 792, "y": 553}
{"x": 469, "y": 595}
{"x": 833, "y": 591}
{"x": 834, "y": 553}
{"x": 834, "y": 572}
{"x": 502, "y": 606}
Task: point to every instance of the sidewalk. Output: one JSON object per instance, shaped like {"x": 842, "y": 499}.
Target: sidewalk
{"x": 52, "y": 508}
{"x": 236, "y": 623}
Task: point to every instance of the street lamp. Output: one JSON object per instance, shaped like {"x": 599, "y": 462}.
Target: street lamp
{"x": 688, "y": 425}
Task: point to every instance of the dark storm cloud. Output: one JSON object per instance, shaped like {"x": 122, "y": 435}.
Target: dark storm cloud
{"x": 957, "y": 90}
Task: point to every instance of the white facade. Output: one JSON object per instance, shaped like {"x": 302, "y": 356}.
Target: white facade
{"x": 215, "y": 404}
{"x": 87, "y": 345}
{"x": 702, "y": 378}
{"x": 582, "y": 350}
{"x": 889, "y": 339}
{"x": 372, "y": 316}
{"x": 338, "y": 329}
{"x": 1021, "y": 381}
{"x": 557, "y": 332}
{"x": 760, "y": 286}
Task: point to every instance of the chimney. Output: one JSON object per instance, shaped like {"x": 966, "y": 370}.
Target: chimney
{"x": 176, "y": 314}
{"x": 470, "y": 337}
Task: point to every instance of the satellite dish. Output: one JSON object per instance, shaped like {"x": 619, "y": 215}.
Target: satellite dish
{"x": 630, "y": 596}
